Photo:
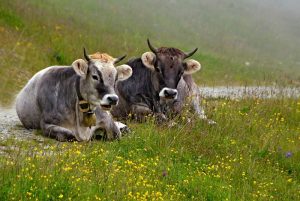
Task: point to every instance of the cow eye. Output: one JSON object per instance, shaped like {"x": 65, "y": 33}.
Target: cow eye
{"x": 95, "y": 77}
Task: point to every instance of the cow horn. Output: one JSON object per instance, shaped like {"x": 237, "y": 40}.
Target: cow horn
{"x": 187, "y": 55}
{"x": 153, "y": 49}
{"x": 86, "y": 56}
{"x": 117, "y": 60}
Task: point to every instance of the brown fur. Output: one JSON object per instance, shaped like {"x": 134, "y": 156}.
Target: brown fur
{"x": 170, "y": 51}
{"x": 102, "y": 57}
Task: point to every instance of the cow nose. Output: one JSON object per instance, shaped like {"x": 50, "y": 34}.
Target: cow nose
{"x": 170, "y": 93}
{"x": 112, "y": 100}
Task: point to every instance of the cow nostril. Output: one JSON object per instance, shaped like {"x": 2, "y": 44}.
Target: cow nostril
{"x": 170, "y": 93}
{"x": 112, "y": 100}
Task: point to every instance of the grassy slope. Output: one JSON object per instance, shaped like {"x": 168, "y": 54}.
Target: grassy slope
{"x": 35, "y": 35}
{"x": 244, "y": 157}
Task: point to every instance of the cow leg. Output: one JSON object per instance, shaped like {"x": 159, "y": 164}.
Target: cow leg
{"x": 106, "y": 122}
{"x": 111, "y": 130}
{"x": 194, "y": 92}
{"x": 141, "y": 111}
{"x": 57, "y": 132}
{"x": 199, "y": 110}
{"x": 195, "y": 103}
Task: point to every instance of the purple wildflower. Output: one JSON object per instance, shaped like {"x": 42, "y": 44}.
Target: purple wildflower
{"x": 288, "y": 154}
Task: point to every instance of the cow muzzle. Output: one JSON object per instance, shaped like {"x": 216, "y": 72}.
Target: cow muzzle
{"x": 108, "y": 101}
{"x": 168, "y": 93}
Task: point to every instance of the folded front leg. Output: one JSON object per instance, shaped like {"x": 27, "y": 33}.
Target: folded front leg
{"x": 140, "y": 111}
{"x": 57, "y": 132}
{"x": 106, "y": 122}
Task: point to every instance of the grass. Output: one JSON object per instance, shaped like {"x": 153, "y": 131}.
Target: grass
{"x": 251, "y": 154}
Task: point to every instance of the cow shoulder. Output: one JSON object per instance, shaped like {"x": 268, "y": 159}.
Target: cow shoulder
{"x": 54, "y": 88}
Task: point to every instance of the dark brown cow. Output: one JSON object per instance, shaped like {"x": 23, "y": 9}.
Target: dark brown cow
{"x": 160, "y": 78}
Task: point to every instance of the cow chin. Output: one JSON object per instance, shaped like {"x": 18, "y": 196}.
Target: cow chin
{"x": 100, "y": 104}
{"x": 105, "y": 107}
{"x": 168, "y": 94}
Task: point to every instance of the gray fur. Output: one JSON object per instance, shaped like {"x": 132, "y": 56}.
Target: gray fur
{"x": 188, "y": 92}
{"x": 49, "y": 102}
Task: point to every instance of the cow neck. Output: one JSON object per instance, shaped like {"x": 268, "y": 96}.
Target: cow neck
{"x": 154, "y": 94}
{"x": 154, "y": 89}
{"x": 84, "y": 105}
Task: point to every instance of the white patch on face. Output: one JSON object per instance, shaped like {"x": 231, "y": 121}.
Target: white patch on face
{"x": 165, "y": 90}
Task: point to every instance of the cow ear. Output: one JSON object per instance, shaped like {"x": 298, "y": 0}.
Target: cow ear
{"x": 124, "y": 72}
{"x": 148, "y": 59}
{"x": 191, "y": 66}
{"x": 80, "y": 67}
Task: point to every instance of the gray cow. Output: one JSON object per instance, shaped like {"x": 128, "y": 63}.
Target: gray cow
{"x": 64, "y": 101}
{"x": 161, "y": 83}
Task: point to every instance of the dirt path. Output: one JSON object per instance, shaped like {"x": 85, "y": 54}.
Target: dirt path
{"x": 10, "y": 126}
{"x": 263, "y": 92}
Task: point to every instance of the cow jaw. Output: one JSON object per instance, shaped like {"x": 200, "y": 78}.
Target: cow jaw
{"x": 105, "y": 107}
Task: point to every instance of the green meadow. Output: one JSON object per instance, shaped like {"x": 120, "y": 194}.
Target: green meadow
{"x": 252, "y": 153}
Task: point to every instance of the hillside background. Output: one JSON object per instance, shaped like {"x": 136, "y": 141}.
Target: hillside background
{"x": 253, "y": 42}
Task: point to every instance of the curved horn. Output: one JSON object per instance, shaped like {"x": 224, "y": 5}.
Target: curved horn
{"x": 153, "y": 49}
{"x": 117, "y": 60}
{"x": 186, "y": 55}
{"x": 86, "y": 56}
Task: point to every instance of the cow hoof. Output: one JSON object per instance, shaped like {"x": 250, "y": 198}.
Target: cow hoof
{"x": 172, "y": 124}
{"x": 61, "y": 137}
{"x": 99, "y": 134}
{"x": 211, "y": 122}
{"x": 160, "y": 118}
{"x": 123, "y": 128}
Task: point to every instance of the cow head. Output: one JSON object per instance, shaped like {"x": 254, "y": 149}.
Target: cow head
{"x": 98, "y": 76}
{"x": 168, "y": 66}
